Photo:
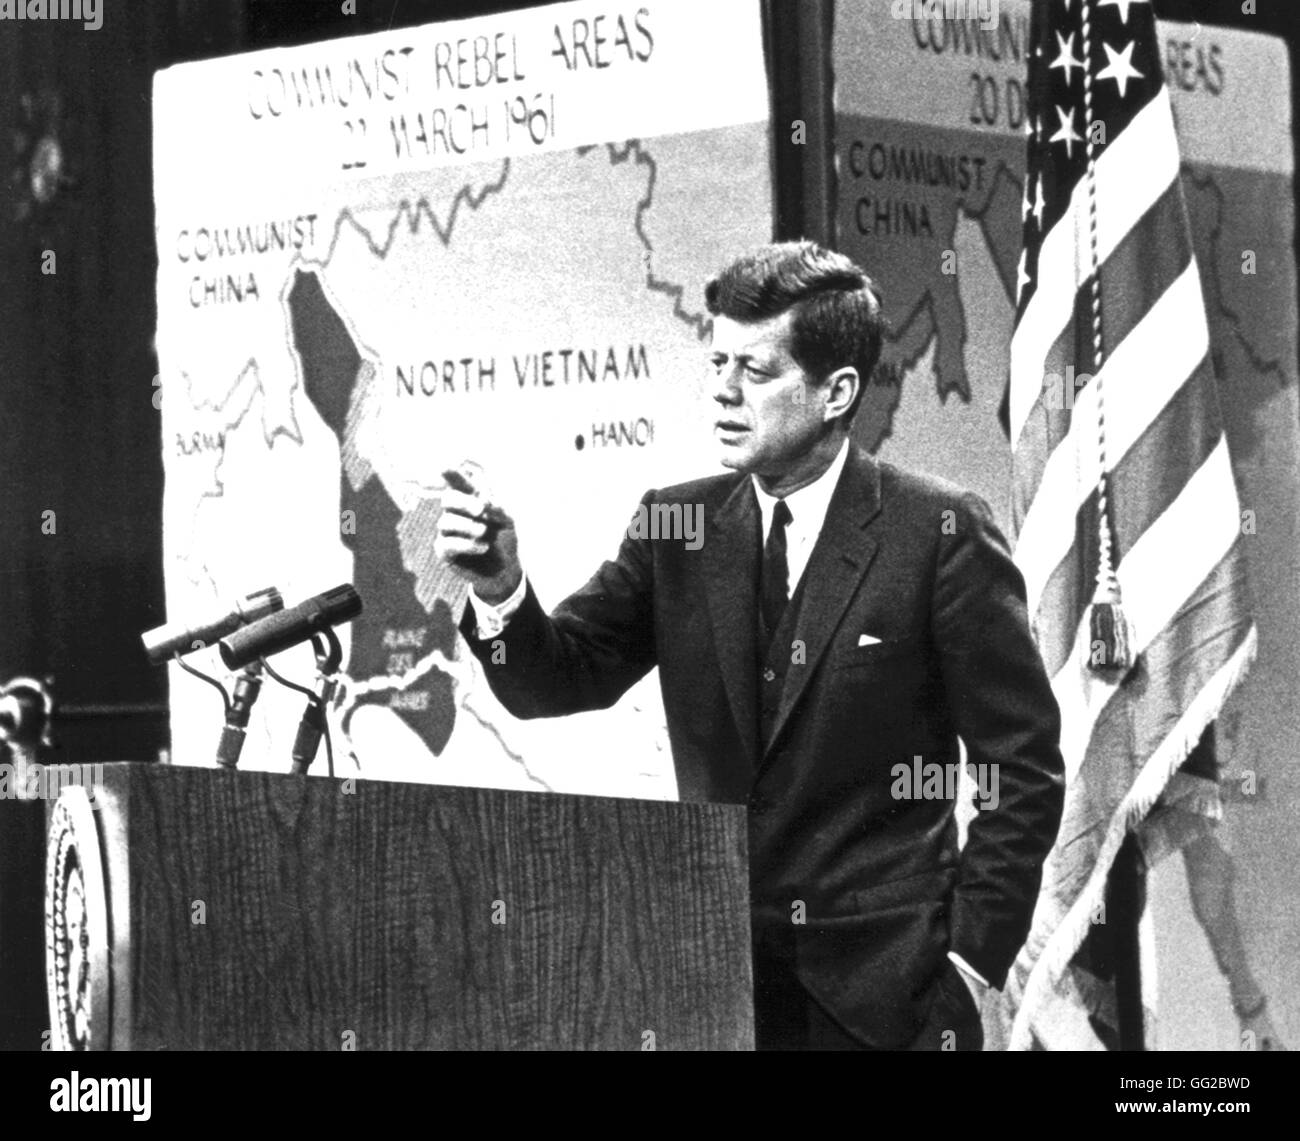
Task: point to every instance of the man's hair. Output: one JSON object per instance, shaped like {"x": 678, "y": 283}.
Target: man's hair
{"x": 837, "y": 320}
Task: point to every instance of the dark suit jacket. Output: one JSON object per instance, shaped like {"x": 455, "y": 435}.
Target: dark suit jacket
{"x": 911, "y": 560}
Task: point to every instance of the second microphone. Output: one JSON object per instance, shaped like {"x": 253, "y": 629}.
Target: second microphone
{"x": 290, "y": 627}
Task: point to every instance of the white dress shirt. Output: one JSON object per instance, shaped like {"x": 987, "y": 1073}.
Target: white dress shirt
{"x": 808, "y": 507}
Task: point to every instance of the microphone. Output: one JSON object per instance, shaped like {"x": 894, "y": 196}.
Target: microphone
{"x": 21, "y": 716}
{"x": 25, "y": 709}
{"x": 180, "y": 638}
{"x": 290, "y": 627}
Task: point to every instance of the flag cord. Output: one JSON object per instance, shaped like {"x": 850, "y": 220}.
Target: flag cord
{"x": 1109, "y": 642}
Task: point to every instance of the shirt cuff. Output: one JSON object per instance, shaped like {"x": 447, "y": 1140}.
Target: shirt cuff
{"x": 492, "y": 619}
{"x": 966, "y": 968}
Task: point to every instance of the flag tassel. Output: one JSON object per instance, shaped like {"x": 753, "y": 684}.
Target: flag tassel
{"x": 1110, "y": 635}
{"x": 1109, "y": 630}
{"x": 1111, "y": 638}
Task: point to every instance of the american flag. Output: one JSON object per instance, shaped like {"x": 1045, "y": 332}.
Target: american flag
{"x": 1124, "y": 498}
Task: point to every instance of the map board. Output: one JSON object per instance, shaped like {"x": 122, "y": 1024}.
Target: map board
{"x": 383, "y": 255}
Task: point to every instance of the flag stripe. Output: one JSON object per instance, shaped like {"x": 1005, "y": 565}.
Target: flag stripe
{"x": 1168, "y": 348}
{"x": 1141, "y": 489}
{"x": 1153, "y": 256}
{"x": 1202, "y": 525}
{"x": 1131, "y": 173}
{"x": 1185, "y": 652}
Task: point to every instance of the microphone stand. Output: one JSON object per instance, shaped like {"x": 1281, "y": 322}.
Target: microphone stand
{"x": 313, "y": 726}
{"x": 246, "y": 690}
{"x": 329, "y": 656}
{"x": 248, "y": 684}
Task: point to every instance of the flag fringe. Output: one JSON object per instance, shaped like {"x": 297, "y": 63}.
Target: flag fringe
{"x": 1136, "y": 805}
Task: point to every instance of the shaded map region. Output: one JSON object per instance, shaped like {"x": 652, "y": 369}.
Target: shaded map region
{"x": 394, "y": 630}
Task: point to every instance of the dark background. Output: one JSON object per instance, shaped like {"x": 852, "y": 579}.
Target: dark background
{"x": 80, "y": 430}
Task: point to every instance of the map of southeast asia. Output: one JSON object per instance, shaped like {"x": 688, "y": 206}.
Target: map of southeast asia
{"x": 483, "y": 240}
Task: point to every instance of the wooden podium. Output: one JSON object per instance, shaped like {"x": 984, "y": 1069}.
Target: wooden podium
{"x": 192, "y": 908}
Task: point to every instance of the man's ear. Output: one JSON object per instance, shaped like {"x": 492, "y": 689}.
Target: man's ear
{"x": 841, "y": 390}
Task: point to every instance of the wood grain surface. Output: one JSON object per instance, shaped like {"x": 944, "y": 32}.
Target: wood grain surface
{"x": 275, "y": 912}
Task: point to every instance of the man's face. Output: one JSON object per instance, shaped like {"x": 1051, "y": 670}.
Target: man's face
{"x": 768, "y": 412}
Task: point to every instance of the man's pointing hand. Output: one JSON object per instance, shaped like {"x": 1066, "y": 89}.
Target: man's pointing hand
{"x": 476, "y": 538}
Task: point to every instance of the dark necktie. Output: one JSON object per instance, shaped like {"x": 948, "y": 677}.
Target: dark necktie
{"x": 776, "y": 570}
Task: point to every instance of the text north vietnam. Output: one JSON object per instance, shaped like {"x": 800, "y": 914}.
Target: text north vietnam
{"x": 547, "y": 369}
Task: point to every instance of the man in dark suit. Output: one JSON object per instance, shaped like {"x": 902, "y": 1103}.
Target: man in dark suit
{"x": 841, "y": 626}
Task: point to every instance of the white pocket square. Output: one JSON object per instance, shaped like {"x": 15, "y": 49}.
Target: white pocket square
{"x": 868, "y": 640}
